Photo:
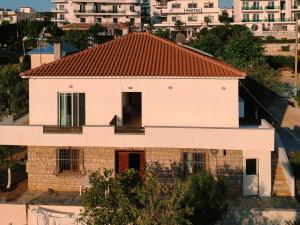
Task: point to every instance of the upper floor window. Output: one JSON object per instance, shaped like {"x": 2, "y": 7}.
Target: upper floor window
{"x": 194, "y": 162}
{"x": 115, "y": 20}
{"x": 208, "y": 5}
{"x": 192, "y": 18}
{"x": 61, "y": 7}
{"x": 69, "y": 160}
{"x": 82, "y": 20}
{"x": 256, "y": 5}
{"x": 176, "y": 6}
{"x": 132, "y": 8}
{"x": 175, "y": 18}
{"x": 245, "y": 17}
{"x": 192, "y": 5}
{"x": 71, "y": 109}
{"x": 255, "y": 17}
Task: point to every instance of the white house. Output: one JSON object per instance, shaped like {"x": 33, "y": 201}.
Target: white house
{"x": 140, "y": 102}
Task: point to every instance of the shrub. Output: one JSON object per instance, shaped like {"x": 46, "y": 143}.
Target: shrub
{"x": 277, "y": 62}
{"x": 285, "y": 48}
{"x": 206, "y": 198}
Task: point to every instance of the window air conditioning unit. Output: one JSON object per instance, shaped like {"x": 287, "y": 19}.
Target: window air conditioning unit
{"x": 217, "y": 152}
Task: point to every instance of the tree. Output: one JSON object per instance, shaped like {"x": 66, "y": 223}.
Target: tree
{"x": 78, "y": 39}
{"x": 210, "y": 43}
{"x": 206, "y": 198}
{"x": 13, "y": 91}
{"x": 164, "y": 33}
{"x": 145, "y": 11}
{"x": 207, "y": 20}
{"x": 6, "y": 162}
{"x": 178, "y": 25}
{"x": 95, "y": 33}
{"x": 111, "y": 200}
{"x": 243, "y": 50}
{"x": 224, "y": 18}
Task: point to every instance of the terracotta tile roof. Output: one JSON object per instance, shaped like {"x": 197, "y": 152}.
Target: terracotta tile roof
{"x": 137, "y": 55}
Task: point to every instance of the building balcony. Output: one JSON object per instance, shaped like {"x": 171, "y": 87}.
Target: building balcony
{"x": 55, "y": 10}
{"x": 258, "y": 137}
{"x": 60, "y": 20}
{"x": 252, "y": 8}
{"x": 272, "y": 8}
{"x": 109, "y": 1}
{"x": 101, "y": 12}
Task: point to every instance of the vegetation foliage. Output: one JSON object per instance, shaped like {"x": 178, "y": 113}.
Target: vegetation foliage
{"x": 129, "y": 199}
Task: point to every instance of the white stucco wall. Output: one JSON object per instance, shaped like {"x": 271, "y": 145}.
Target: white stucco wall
{"x": 165, "y": 102}
{"x": 40, "y": 59}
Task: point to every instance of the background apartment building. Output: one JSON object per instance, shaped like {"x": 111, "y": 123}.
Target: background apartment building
{"x": 12, "y": 16}
{"x": 193, "y": 14}
{"x": 265, "y": 17}
{"x": 97, "y": 11}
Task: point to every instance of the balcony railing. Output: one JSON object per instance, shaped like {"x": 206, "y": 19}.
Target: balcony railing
{"x": 99, "y": 11}
{"x": 62, "y": 129}
{"x": 271, "y": 7}
{"x": 252, "y": 8}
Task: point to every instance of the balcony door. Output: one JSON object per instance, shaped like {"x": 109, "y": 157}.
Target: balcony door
{"x": 71, "y": 109}
{"x": 132, "y": 109}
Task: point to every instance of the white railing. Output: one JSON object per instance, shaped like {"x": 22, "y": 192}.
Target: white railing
{"x": 283, "y": 160}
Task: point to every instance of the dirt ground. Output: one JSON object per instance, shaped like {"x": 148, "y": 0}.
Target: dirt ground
{"x": 288, "y": 77}
{"x": 15, "y": 193}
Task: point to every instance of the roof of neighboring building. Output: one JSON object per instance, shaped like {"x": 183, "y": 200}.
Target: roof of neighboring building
{"x": 49, "y": 49}
{"x": 137, "y": 55}
{"x": 86, "y": 26}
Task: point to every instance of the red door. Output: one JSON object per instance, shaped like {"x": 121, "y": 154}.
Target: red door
{"x": 128, "y": 160}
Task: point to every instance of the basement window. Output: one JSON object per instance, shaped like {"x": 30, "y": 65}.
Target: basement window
{"x": 194, "y": 162}
{"x": 69, "y": 160}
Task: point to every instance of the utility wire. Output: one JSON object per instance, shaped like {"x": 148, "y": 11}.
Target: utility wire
{"x": 268, "y": 112}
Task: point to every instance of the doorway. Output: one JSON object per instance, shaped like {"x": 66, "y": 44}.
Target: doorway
{"x": 250, "y": 181}
{"x": 132, "y": 109}
{"x": 126, "y": 160}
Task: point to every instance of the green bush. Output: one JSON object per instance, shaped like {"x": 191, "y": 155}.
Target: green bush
{"x": 285, "y": 48}
{"x": 277, "y": 62}
{"x": 272, "y": 39}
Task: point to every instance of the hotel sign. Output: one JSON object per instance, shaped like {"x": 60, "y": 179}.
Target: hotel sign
{"x": 193, "y": 10}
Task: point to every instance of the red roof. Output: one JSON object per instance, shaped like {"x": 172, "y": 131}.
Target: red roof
{"x": 137, "y": 55}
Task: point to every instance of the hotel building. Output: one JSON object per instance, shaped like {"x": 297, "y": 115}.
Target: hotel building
{"x": 264, "y": 18}
{"x": 194, "y": 14}
{"x": 97, "y": 11}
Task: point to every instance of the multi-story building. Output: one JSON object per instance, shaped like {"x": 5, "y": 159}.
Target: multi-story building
{"x": 25, "y": 13}
{"x": 97, "y": 11}
{"x": 140, "y": 102}
{"x": 194, "y": 14}
{"x": 266, "y": 17}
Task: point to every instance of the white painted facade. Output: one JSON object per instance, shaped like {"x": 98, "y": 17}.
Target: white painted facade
{"x": 264, "y": 18}
{"x": 176, "y": 113}
{"x": 193, "y": 14}
{"x": 97, "y": 11}
{"x": 11, "y": 16}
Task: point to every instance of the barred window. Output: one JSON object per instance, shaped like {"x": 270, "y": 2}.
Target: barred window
{"x": 194, "y": 162}
{"x": 69, "y": 160}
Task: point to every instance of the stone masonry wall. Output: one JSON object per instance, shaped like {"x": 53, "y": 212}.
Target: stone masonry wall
{"x": 163, "y": 162}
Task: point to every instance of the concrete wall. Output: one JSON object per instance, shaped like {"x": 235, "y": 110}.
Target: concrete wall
{"x": 189, "y": 102}
{"x": 165, "y": 163}
{"x": 40, "y": 59}
{"x": 15, "y": 214}
{"x": 275, "y": 49}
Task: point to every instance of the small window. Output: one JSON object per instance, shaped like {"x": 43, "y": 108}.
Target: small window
{"x": 132, "y": 20}
{"x": 251, "y": 167}
{"x": 194, "y": 162}
{"x": 132, "y": 8}
{"x": 192, "y": 18}
{"x": 208, "y": 5}
{"x": 192, "y": 5}
{"x": 99, "y": 20}
{"x": 115, "y": 20}
{"x": 68, "y": 160}
{"x": 82, "y": 20}
{"x": 176, "y": 6}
